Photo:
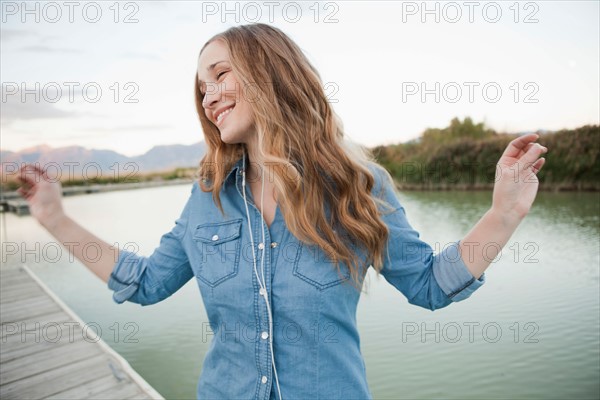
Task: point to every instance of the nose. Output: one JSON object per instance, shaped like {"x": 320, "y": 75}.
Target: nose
{"x": 212, "y": 95}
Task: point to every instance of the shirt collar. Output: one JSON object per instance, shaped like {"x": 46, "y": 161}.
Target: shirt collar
{"x": 234, "y": 171}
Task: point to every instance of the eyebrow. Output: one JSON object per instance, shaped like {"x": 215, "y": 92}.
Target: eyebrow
{"x": 211, "y": 67}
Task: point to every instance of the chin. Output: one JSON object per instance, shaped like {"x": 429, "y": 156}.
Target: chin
{"x": 235, "y": 135}
{"x": 230, "y": 139}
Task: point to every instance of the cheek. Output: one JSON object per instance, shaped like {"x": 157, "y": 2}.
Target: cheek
{"x": 231, "y": 85}
{"x": 246, "y": 112}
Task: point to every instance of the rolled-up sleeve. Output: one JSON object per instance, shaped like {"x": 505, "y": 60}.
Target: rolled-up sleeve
{"x": 427, "y": 280}
{"x": 148, "y": 280}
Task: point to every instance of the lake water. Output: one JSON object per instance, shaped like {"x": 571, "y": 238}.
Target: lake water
{"x": 532, "y": 331}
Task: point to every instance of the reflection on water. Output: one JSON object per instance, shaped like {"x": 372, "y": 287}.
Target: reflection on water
{"x": 531, "y": 331}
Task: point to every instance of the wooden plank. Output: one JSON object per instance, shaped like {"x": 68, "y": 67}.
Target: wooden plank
{"x": 21, "y": 285}
{"x": 23, "y": 294}
{"x": 139, "y": 396}
{"x": 20, "y": 314}
{"x": 14, "y": 290}
{"x": 44, "y": 321}
{"x": 25, "y": 300}
{"x": 34, "y": 330}
{"x": 24, "y": 304}
{"x": 88, "y": 389}
{"x": 36, "y": 363}
{"x": 37, "y": 294}
{"x": 16, "y": 283}
{"x": 56, "y": 380}
{"x": 120, "y": 392}
{"x": 16, "y": 346}
{"x": 13, "y": 267}
{"x": 15, "y": 279}
{"x": 9, "y": 273}
{"x": 45, "y": 353}
{"x": 37, "y": 348}
{"x": 27, "y": 308}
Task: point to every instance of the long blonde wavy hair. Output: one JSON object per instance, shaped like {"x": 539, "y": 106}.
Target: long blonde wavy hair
{"x": 314, "y": 167}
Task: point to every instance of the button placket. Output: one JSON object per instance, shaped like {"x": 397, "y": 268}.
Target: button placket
{"x": 263, "y": 321}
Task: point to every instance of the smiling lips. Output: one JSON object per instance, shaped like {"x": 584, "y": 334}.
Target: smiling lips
{"x": 222, "y": 113}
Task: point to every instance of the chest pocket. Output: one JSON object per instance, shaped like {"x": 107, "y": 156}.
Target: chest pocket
{"x": 219, "y": 245}
{"x": 313, "y": 266}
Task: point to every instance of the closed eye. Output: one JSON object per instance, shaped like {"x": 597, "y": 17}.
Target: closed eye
{"x": 221, "y": 74}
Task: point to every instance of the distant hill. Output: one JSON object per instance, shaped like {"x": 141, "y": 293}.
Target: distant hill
{"x": 77, "y": 159}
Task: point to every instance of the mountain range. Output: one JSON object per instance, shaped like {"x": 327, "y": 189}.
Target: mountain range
{"x": 77, "y": 158}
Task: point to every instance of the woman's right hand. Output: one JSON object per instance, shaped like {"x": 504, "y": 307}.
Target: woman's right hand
{"x": 44, "y": 197}
{"x": 42, "y": 194}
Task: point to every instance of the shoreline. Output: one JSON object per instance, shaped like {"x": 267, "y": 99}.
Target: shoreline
{"x": 103, "y": 187}
{"x": 555, "y": 188}
{"x": 13, "y": 202}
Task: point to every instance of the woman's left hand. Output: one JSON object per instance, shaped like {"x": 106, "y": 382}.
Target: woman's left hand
{"x": 516, "y": 181}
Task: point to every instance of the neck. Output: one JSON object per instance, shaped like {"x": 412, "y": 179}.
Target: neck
{"x": 256, "y": 166}
{"x": 256, "y": 163}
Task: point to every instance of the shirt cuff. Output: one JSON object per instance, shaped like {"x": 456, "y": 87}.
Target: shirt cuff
{"x": 126, "y": 275}
{"x": 453, "y": 276}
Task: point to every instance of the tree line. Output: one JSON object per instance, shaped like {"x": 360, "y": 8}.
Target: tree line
{"x": 464, "y": 156}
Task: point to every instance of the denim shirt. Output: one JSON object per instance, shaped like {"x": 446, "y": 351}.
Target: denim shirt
{"x": 316, "y": 343}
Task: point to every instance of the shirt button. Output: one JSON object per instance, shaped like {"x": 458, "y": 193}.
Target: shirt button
{"x": 274, "y": 244}
{"x": 261, "y": 246}
{"x": 215, "y": 237}
{"x": 265, "y": 335}
{"x": 262, "y": 291}
{"x": 264, "y": 379}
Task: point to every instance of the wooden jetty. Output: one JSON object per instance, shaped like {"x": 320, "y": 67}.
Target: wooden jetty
{"x": 46, "y": 353}
{"x": 17, "y": 206}
{"x": 14, "y": 203}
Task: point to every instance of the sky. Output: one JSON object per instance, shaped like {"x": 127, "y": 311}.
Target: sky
{"x": 119, "y": 76}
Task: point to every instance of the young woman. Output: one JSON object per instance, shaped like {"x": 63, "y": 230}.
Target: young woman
{"x": 283, "y": 224}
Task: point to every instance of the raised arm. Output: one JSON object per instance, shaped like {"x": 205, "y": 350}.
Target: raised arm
{"x": 435, "y": 281}
{"x": 515, "y": 189}
{"x": 44, "y": 198}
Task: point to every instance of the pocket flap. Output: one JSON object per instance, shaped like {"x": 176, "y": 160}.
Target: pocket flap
{"x": 218, "y": 232}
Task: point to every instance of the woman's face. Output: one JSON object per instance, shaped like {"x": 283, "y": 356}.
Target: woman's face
{"x": 224, "y": 103}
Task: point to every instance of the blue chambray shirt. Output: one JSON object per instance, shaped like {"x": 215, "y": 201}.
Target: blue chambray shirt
{"x": 315, "y": 337}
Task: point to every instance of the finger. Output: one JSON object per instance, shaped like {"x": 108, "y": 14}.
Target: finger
{"x": 537, "y": 166}
{"x": 34, "y": 168}
{"x": 24, "y": 192}
{"x": 27, "y": 181}
{"x": 518, "y": 145}
{"x": 524, "y": 150}
{"x": 531, "y": 156}
{"x": 31, "y": 174}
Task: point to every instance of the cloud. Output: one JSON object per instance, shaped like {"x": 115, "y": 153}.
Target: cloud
{"x": 13, "y": 108}
{"x": 124, "y": 128}
{"x": 11, "y": 35}
{"x": 144, "y": 56}
{"x": 47, "y": 49}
